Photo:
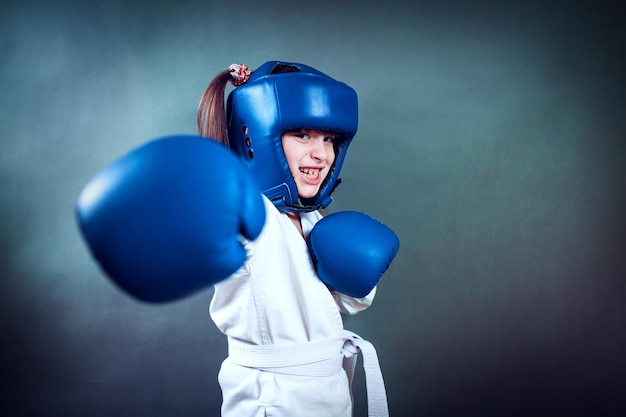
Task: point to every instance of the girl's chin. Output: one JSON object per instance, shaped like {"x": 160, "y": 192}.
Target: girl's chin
{"x": 307, "y": 193}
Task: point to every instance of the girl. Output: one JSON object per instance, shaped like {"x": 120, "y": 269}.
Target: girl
{"x": 291, "y": 125}
{"x": 170, "y": 218}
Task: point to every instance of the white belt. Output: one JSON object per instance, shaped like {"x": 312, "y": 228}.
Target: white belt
{"x": 319, "y": 358}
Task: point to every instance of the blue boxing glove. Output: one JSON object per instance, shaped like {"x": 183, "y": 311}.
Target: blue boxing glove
{"x": 351, "y": 251}
{"x": 166, "y": 220}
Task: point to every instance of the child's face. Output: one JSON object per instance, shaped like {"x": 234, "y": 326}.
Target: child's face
{"x": 310, "y": 154}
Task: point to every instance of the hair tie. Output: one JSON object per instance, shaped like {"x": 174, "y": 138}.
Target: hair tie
{"x": 239, "y": 74}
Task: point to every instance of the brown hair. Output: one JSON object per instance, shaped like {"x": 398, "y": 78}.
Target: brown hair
{"x": 211, "y": 112}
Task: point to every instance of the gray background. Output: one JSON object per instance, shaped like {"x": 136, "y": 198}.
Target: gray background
{"x": 491, "y": 139}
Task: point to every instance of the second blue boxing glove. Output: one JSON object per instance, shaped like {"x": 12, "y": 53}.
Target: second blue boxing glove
{"x": 351, "y": 251}
{"x": 166, "y": 220}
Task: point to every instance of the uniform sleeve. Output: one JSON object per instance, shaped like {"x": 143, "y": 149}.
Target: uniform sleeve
{"x": 351, "y": 305}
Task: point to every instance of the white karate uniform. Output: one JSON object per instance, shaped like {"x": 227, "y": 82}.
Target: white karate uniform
{"x": 277, "y": 300}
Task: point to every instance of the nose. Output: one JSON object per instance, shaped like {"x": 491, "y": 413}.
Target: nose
{"x": 318, "y": 149}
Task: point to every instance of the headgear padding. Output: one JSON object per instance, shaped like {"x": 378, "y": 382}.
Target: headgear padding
{"x": 273, "y": 101}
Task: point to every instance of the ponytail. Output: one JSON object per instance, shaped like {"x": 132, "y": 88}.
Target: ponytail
{"x": 211, "y": 112}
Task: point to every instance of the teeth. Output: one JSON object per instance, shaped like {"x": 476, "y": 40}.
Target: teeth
{"x": 311, "y": 173}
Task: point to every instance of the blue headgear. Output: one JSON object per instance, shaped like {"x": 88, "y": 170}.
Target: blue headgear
{"x": 279, "y": 97}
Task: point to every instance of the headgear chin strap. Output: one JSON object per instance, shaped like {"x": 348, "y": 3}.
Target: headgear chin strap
{"x": 279, "y": 97}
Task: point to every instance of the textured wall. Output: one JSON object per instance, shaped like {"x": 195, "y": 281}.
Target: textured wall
{"x": 492, "y": 139}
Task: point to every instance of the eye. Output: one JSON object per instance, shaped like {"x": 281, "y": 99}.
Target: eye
{"x": 302, "y": 135}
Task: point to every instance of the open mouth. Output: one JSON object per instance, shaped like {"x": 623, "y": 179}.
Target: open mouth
{"x": 310, "y": 173}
